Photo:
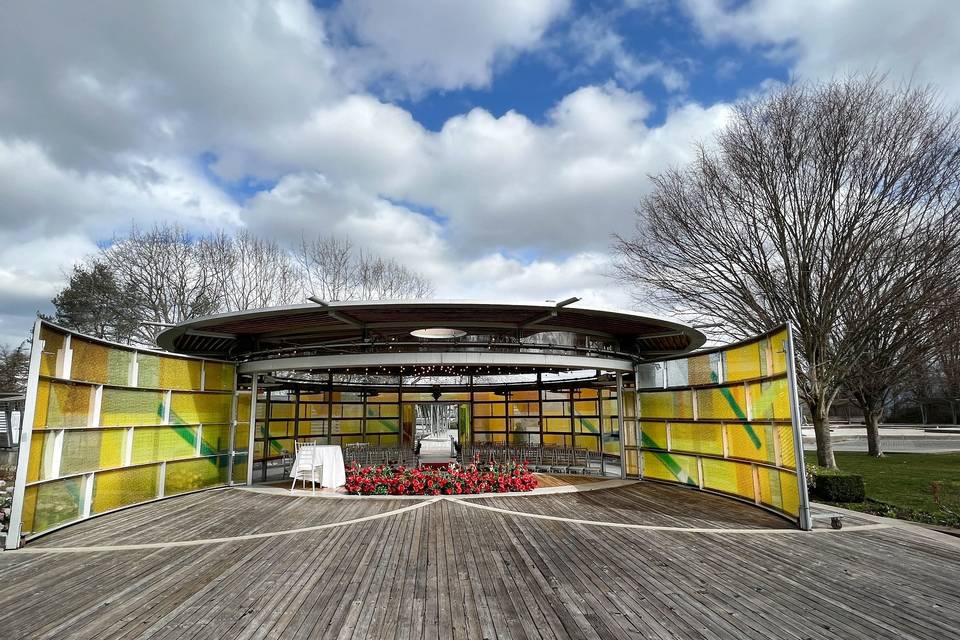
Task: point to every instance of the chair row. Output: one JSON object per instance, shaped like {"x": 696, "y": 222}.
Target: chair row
{"x": 543, "y": 459}
{"x": 371, "y": 456}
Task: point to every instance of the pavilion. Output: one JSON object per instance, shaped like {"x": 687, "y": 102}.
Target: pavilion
{"x": 108, "y": 426}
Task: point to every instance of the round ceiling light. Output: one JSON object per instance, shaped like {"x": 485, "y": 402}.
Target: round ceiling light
{"x": 438, "y": 333}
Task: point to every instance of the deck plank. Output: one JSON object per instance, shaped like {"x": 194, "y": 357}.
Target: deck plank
{"x": 449, "y": 570}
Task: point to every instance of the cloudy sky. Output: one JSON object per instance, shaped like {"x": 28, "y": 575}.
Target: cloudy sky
{"x": 494, "y": 145}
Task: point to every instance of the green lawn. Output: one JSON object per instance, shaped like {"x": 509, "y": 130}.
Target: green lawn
{"x": 903, "y": 481}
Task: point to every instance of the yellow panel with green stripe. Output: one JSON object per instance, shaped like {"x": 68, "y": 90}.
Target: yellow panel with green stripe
{"x": 728, "y": 427}
{"x": 138, "y": 425}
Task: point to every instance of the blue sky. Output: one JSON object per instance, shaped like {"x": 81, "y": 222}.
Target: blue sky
{"x": 492, "y": 145}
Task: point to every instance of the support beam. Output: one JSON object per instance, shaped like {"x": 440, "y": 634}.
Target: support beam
{"x": 337, "y": 315}
{"x": 549, "y": 314}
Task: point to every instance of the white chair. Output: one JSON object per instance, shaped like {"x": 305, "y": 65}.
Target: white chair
{"x": 306, "y": 464}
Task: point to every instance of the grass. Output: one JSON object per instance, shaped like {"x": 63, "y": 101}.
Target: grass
{"x": 900, "y": 484}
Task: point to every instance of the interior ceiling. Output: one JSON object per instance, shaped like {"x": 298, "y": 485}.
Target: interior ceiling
{"x": 233, "y": 334}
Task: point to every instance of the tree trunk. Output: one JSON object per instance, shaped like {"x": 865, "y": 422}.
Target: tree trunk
{"x": 821, "y": 429}
{"x": 871, "y": 418}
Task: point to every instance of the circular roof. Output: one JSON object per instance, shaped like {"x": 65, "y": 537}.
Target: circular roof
{"x": 238, "y": 333}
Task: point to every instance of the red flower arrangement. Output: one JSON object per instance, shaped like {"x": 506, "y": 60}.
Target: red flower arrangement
{"x": 454, "y": 479}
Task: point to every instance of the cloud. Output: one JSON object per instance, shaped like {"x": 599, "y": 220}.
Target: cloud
{"x": 41, "y": 198}
{"x": 108, "y": 116}
{"x": 88, "y": 83}
{"x": 410, "y": 47}
{"x": 825, "y": 39}
{"x": 596, "y": 37}
{"x": 499, "y": 183}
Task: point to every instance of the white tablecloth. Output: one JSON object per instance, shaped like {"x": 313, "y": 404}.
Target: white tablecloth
{"x": 330, "y": 456}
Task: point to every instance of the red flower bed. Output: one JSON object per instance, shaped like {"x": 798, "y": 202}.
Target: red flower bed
{"x": 451, "y": 480}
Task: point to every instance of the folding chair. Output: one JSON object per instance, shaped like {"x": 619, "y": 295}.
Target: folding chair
{"x": 306, "y": 465}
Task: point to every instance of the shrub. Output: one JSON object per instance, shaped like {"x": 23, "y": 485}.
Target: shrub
{"x": 836, "y": 486}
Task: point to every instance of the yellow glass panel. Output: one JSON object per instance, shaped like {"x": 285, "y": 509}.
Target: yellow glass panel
{"x": 787, "y": 454}
{"x": 180, "y": 373}
{"x": 40, "y": 462}
{"x": 194, "y": 408}
{"x": 347, "y": 426}
{"x": 790, "y": 491}
{"x": 282, "y": 410}
{"x": 560, "y": 408}
{"x": 93, "y": 362}
{"x": 153, "y": 444}
{"x": 554, "y": 440}
{"x": 557, "y": 425}
{"x": 743, "y": 362}
{"x": 130, "y": 407}
{"x": 629, "y": 403}
{"x": 214, "y": 439}
{"x": 242, "y": 436}
{"x": 670, "y": 466}
{"x": 531, "y": 408}
{"x": 611, "y": 444}
{"x": 490, "y": 424}
{"x": 383, "y": 425}
{"x": 490, "y": 409}
{"x": 217, "y": 376}
{"x": 348, "y": 410}
{"x": 697, "y": 437}
{"x": 666, "y": 404}
{"x": 90, "y": 450}
{"x": 191, "y": 475}
{"x": 728, "y": 476}
{"x": 629, "y": 433}
{"x": 281, "y": 429}
{"x": 314, "y": 410}
{"x": 240, "y": 468}
{"x": 653, "y": 435}
{"x": 52, "y": 344}
{"x": 769, "y": 400}
{"x": 51, "y": 504}
{"x": 770, "y": 490}
{"x": 243, "y": 406}
{"x": 61, "y": 405}
{"x": 383, "y": 410}
{"x": 115, "y": 489}
{"x": 382, "y": 397}
{"x": 586, "y": 425}
{"x": 389, "y": 441}
{"x": 631, "y": 460}
{"x": 278, "y": 447}
{"x": 778, "y": 351}
{"x": 590, "y": 443}
{"x": 700, "y": 371}
{"x": 722, "y": 403}
{"x": 752, "y": 441}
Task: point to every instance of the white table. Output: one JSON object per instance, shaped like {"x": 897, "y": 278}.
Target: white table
{"x": 331, "y": 457}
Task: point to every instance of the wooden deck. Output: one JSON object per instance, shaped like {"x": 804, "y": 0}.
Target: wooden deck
{"x": 240, "y": 564}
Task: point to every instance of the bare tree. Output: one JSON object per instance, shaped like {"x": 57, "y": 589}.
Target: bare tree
{"x": 166, "y": 270}
{"x": 382, "y": 279}
{"x": 786, "y": 214}
{"x": 901, "y": 308}
{"x": 248, "y": 272}
{"x": 326, "y": 264}
{"x": 333, "y": 269}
